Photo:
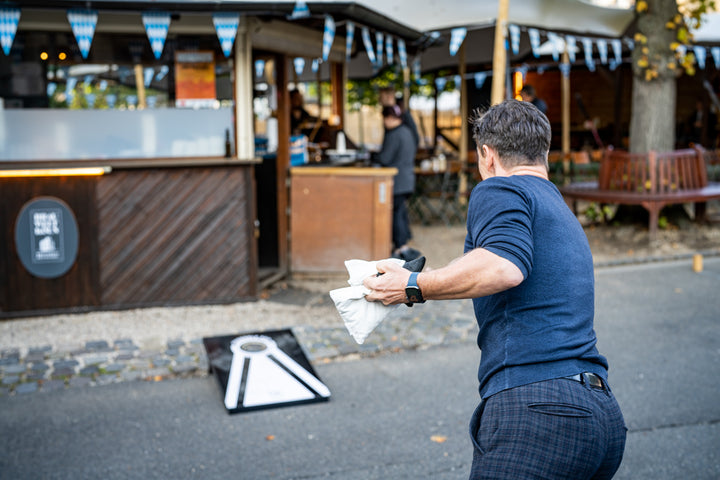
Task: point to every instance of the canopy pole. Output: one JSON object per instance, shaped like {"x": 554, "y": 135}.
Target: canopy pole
{"x": 463, "y": 147}
{"x": 500, "y": 54}
{"x": 565, "y": 105}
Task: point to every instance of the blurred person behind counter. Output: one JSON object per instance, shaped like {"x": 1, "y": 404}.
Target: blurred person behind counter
{"x": 398, "y": 151}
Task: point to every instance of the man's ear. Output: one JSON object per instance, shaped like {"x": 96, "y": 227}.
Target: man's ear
{"x": 488, "y": 158}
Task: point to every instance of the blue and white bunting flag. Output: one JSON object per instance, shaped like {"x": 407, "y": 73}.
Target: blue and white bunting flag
{"x": 700, "y": 54}
{"x": 554, "y": 40}
{"x": 301, "y": 10}
{"x": 534, "y": 35}
{"x": 440, "y": 83}
{"x": 565, "y": 69}
{"x": 87, "y": 80}
{"x": 83, "y": 24}
{"x": 368, "y": 44}
{"x": 328, "y": 37}
{"x": 602, "y": 50}
{"x": 315, "y": 65}
{"x": 457, "y": 79}
{"x": 162, "y": 73}
{"x": 149, "y": 73}
{"x": 715, "y": 52}
{"x": 52, "y": 86}
{"x": 379, "y": 46}
{"x": 587, "y": 46}
{"x": 157, "y": 25}
{"x": 630, "y": 43}
{"x": 480, "y": 79}
{"x": 417, "y": 72}
{"x": 90, "y": 97}
{"x": 349, "y": 37}
{"x": 389, "y": 49}
{"x": 514, "y": 38}
{"x": 131, "y": 100}
{"x": 226, "y": 27}
{"x": 9, "y": 18}
{"x": 682, "y": 50}
{"x": 457, "y": 36}
{"x": 259, "y": 68}
{"x": 299, "y": 64}
{"x": 570, "y": 46}
{"x": 402, "y": 52}
{"x": 70, "y": 88}
{"x": 617, "y": 49}
{"x": 151, "y": 101}
{"x": 111, "y": 98}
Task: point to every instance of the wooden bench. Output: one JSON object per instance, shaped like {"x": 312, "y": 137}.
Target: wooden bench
{"x": 652, "y": 180}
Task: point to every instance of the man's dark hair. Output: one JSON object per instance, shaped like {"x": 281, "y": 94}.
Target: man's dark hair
{"x": 517, "y": 131}
{"x": 528, "y": 89}
{"x": 392, "y": 111}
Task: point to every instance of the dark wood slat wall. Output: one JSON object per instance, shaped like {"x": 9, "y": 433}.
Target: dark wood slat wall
{"x": 19, "y": 290}
{"x": 176, "y": 236}
{"x": 165, "y": 236}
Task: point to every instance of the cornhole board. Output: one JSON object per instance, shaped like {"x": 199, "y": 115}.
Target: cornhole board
{"x": 262, "y": 370}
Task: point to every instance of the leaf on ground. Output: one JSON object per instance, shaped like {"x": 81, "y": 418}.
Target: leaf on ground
{"x": 438, "y": 438}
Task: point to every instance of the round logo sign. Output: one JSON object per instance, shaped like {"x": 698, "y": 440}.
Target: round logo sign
{"x": 46, "y": 237}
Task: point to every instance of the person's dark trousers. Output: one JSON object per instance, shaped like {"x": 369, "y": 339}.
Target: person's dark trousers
{"x": 559, "y": 429}
{"x": 400, "y": 221}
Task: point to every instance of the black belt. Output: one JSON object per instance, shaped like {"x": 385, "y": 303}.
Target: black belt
{"x": 589, "y": 379}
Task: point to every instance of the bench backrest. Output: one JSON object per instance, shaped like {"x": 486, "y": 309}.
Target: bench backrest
{"x": 652, "y": 172}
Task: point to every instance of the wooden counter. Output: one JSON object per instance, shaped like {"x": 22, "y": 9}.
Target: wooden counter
{"x": 339, "y": 213}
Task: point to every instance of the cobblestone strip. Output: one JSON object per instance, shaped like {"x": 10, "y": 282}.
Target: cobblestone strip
{"x": 50, "y": 368}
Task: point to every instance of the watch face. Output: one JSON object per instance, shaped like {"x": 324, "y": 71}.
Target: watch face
{"x": 414, "y": 295}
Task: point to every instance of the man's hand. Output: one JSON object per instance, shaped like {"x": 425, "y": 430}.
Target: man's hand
{"x": 388, "y": 288}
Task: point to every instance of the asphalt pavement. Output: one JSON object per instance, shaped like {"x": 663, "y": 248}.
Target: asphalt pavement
{"x": 397, "y": 414}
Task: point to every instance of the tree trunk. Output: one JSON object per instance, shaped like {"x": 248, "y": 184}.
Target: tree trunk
{"x": 652, "y": 126}
{"x": 655, "y": 69}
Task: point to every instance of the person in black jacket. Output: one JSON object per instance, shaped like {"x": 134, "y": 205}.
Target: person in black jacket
{"x": 388, "y": 99}
{"x": 398, "y": 151}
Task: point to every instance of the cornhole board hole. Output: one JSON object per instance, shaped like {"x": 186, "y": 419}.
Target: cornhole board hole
{"x": 263, "y": 370}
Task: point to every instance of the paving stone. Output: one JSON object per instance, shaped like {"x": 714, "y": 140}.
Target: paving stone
{"x": 95, "y": 360}
{"x": 90, "y": 370}
{"x": 15, "y": 369}
{"x": 114, "y": 368}
{"x": 13, "y": 353}
{"x": 39, "y": 367}
{"x": 5, "y": 361}
{"x": 122, "y": 356}
{"x": 172, "y": 352}
{"x": 35, "y": 357}
{"x": 25, "y": 388}
{"x": 184, "y": 359}
{"x": 52, "y": 385}
{"x": 124, "y": 344}
{"x": 160, "y": 362}
{"x": 175, "y": 344}
{"x": 96, "y": 345}
{"x": 65, "y": 364}
{"x": 63, "y": 372}
{"x": 44, "y": 349}
{"x": 10, "y": 380}
{"x": 34, "y": 376}
{"x": 80, "y": 381}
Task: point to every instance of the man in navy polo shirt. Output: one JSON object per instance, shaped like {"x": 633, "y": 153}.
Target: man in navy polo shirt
{"x": 547, "y": 410}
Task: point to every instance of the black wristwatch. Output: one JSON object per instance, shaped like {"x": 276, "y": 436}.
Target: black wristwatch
{"x": 412, "y": 291}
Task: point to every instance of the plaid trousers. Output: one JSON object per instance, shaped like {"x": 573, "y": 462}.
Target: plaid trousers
{"x": 555, "y": 429}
